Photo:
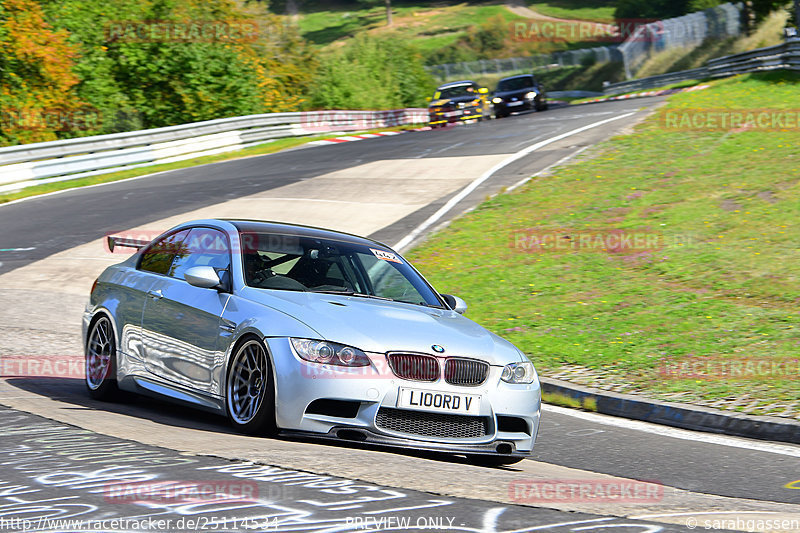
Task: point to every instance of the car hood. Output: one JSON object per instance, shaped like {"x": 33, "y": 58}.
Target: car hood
{"x": 519, "y": 94}
{"x": 380, "y": 326}
{"x": 456, "y": 100}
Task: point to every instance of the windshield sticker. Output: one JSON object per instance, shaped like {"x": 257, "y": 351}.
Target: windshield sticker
{"x": 386, "y": 256}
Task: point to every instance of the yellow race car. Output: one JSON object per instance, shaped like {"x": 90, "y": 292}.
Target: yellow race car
{"x": 459, "y": 101}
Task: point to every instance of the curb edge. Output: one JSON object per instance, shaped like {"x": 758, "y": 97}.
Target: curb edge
{"x": 679, "y": 415}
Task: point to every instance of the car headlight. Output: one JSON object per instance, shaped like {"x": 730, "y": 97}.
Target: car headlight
{"x": 497, "y": 100}
{"x": 329, "y": 353}
{"x": 519, "y": 373}
{"x": 531, "y": 95}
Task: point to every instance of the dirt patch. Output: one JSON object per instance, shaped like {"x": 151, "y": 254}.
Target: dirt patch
{"x": 730, "y": 205}
{"x": 768, "y": 196}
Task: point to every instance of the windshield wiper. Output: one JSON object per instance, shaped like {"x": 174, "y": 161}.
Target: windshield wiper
{"x": 358, "y": 294}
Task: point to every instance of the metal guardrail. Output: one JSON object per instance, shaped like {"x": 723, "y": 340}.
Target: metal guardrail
{"x": 648, "y": 39}
{"x": 27, "y": 164}
{"x": 783, "y": 56}
{"x": 484, "y": 67}
{"x": 680, "y": 32}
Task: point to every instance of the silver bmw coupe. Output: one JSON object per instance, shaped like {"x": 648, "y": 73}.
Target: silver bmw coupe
{"x": 299, "y": 331}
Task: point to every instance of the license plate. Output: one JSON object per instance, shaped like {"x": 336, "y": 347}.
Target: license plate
{"x": 512, "y": 104}
{"x": 440, "y": 402}
{"x": 453, "y": 113}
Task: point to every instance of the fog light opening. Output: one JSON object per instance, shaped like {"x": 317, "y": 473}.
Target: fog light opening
{"x": 351, "y": 434}
{"x": 504, "y": 448}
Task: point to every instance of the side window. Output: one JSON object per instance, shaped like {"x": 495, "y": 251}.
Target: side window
{"x": 158, "y": 256}
{"x": 203, "y": 247}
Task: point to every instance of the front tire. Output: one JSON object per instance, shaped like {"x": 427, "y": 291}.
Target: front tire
{"x": 101, "y": 361}
{"x": 250, "y": 389}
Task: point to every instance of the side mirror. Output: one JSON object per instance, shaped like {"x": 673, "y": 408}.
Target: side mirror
{"x": 204, "y": 277}
{"x": 483, "y": 90}
{"x": 427, "y": 98}
{"x": 456, "y": 304}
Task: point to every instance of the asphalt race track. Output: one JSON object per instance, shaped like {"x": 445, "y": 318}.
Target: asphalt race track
{"x": 63, "y": 454}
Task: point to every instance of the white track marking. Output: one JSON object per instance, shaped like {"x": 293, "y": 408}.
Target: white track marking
{"x": 490, "y": 518}
{"x": 408, "y": 239}
{"x": 17, "y": 249}
{"x": 677, "y": 433}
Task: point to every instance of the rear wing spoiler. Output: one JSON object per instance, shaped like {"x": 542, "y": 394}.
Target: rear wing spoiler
{"x": 124, "y": 242}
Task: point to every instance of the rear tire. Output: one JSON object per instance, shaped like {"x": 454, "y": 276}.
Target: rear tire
{"x": 250, "y": 389}
{"x": 101, "y": 361}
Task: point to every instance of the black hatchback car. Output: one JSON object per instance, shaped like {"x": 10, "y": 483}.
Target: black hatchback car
{"x": 518, "y": 93}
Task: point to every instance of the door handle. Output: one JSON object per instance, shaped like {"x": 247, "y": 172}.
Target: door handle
{"x": 155, "y": 295}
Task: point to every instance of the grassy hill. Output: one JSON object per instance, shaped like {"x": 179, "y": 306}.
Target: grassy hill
{"x": 721, "y": 286}
{"x": 430, "y": 26}
{"x": 594, "y": 10}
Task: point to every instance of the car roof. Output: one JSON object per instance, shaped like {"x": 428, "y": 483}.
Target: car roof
{"x": 518, "y": 76}
{"x": 282, "y": 228}
{"x": 455, "y": 84}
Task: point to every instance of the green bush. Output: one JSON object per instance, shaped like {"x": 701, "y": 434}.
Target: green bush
{"x": 481, "y": 42}
{"x": 371, "y": 73}
{"x": 149, "y": 79}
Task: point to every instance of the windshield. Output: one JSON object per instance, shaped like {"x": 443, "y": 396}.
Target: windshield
{"x": 456, "y": 92}
{"x": 287, "y": 262}
{"x": 515, "y": 84}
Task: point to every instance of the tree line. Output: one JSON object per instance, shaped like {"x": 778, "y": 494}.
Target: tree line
{"x": 85, "y": 67}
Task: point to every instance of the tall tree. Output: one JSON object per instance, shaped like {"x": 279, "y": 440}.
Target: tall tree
{"x": 37, "y": 96}
{"x": 386, "y": 3}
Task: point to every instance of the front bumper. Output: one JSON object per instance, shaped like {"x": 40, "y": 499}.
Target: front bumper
{"x": 508, "y": 107}
{"x": 371, "y": 389}
{"x": 449, "y": 116}
{"x": 505, "y": 448}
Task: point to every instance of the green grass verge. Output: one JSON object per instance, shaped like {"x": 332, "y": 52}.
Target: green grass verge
{"x": 426, "y": 27}
{"x": 725, "y": 286}
{"x": 263, "y": 149}
{"x": 593, "y": 10}
{"x": 586, "y": 404}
